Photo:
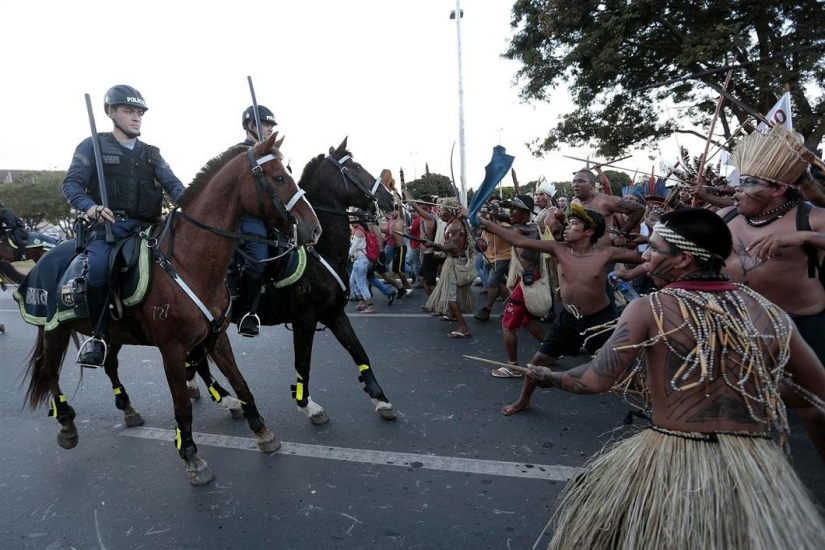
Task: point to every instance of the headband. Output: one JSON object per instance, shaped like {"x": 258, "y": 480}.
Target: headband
{"x": 688, "y": 246}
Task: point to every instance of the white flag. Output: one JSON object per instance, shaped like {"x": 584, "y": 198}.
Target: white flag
{"x": 780, "y": 114}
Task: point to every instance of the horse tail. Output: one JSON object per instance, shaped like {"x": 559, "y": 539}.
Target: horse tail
{"x": 43, "y": 364}
{"x": 9, "y": 274}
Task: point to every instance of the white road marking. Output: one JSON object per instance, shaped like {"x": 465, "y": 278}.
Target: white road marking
{"x": 366, "y": 456}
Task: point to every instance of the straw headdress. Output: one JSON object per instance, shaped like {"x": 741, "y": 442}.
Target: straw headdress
{"x": 449, "y": 202}
{"x": 778, "y": 155}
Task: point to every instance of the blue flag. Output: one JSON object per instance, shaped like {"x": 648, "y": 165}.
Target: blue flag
{"x": 493, "y": 173}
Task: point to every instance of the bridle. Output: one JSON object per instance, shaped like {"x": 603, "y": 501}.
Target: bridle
{"x": 261, "y": 181}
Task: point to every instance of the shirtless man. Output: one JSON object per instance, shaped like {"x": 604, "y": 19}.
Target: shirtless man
{"x": 455, "y": 245}
{"x": 770, "y": 255}
{"x": 583, "y": 268}
{"x": 429, "y": 224}
{"x": 546, "y": 216}
{"x": 587, "y": 196}
{"x": 703, "y": 425}
{"x": 398, "y": 262}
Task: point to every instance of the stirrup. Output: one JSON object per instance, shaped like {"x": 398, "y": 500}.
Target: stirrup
{"x": 89, "y": 341}
{"x": 251, "y": 332}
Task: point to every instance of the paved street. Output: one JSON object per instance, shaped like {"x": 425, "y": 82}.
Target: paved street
{"x": 450, "y": 472}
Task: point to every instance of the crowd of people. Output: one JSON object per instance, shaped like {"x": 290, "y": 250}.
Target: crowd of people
{"x": 726, "y": 337}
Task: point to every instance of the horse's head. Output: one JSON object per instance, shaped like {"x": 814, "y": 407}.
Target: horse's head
{"x": 360, "y": 188}
{"x": 277, "y": 199}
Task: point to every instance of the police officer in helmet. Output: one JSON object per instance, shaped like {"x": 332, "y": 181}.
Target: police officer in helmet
{"x": 136, "y": 177}
{"x": 9, "y": 222}
{"x": 253, "y": 270}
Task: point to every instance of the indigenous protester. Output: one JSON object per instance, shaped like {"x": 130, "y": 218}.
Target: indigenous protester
{"x": 252, "y": 276}
{"x": 708, "y": 359}
{"x": 136, "y": 176}
{"x": 415, "y": 249}
{"x": 525, "y": 269}
{"x": 453, "y": 295}
{"x": 777, "y": 239}
{"x": 397, "y": 225}
{"x": 11, "y": 224}
{"x": 547, "y": 216}
{"x": 429, "y": 225}
{"x": 587, "y": 196}
{"x": 587, "y": 317}
{"x": 562, "y": 202}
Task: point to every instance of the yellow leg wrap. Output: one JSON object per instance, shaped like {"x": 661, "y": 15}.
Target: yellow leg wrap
{"x": 60, "y": 398}
{"x": 178, "y": 439}
{"x": 299, "y": 391}
{"x": 216, "y": 397}
{"x": 362, "y": 368}
{"x": 117, "y": 390}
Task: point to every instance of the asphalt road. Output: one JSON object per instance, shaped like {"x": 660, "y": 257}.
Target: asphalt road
{"x": 450, "y": 472}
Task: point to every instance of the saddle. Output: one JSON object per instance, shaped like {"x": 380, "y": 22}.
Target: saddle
{"x": 54, "y": 291}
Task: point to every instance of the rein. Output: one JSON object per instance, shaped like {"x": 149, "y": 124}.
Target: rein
{"x": 345, "y": 175}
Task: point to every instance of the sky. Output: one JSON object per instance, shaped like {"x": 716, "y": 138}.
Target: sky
{"x": 383, "y": 73}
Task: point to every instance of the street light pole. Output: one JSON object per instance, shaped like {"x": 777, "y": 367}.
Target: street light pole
{"x": 457, "y": 15}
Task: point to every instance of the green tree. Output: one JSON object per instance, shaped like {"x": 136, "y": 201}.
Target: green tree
{"x": 431, "y": 184}
{"x": 37, "y": 197}
{"x": 618, "y": 180}
{"x": 609, "y": 50}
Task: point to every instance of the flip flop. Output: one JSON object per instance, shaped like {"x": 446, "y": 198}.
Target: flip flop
{"x": 504, "y": 372}
{"x": 446, "y": 318}
{"x": 458, "y": 334}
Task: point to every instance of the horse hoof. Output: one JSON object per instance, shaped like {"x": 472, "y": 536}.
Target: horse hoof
{"x": 133, "y": 420}
{"x": 198, "y": 472}
{"x": 237, "y": 414}
{"x": 268, "y": 442}
{"x": 194, "y": 392}
{"x": 68, "y": 437}
{"x": 319, "y": 418}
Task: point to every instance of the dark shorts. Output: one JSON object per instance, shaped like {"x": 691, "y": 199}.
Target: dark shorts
{"x": 429, "y": 269}
{"x": 515, "y": 314}
{"x": 565, "y": 335}
{"x": 497, "y": 275}
{"x": 399, "y": 259}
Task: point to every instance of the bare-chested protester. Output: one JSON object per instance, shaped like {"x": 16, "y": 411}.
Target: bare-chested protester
{"x": 708, "y": 358}
{"x": 770, "y": 253}
{"x": 429, "y": 224}
{"x": 587, "y": 196}
{"x": 587, "y": 317}
{"x": 448, "y": 298}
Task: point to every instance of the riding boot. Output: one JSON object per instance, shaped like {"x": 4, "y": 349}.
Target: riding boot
{"x": 93, "y": 352}
{"x": 250, "y": 324}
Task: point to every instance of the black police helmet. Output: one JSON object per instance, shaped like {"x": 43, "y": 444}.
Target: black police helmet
{"x": 265, "y": 114}
{"x": 122, "y": 94}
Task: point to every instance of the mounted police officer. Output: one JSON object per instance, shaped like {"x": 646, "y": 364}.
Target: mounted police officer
{"x": 253, "y": 271}
{"x": 136, "y": 176}
{"x": 9, "y": 222}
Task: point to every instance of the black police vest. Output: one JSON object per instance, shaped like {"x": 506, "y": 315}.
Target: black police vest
{"x": 130, "y": 179}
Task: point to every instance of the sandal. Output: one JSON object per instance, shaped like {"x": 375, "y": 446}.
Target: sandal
{"x": 504, "y": 372}
{"x": 447, "y": 318}
{"x": 368, "y": 310}
{"x": 458, "y": 334}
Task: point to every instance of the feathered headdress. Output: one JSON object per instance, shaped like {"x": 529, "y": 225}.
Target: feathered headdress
{"x": 575, "y": 210}
{"x": 778, "y": 155}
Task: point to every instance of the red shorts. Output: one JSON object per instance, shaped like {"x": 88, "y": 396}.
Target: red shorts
{"x": 515, "y": 314}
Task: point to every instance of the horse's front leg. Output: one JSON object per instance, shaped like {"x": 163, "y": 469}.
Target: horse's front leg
{"x": 198, "y": 363}
{"x": 342, "y": 329}
{"x": 122, "y": 401}
{"x": 197, "y": 470}
{"x": 303, "y": 334}
{"x": 222, "y": 354}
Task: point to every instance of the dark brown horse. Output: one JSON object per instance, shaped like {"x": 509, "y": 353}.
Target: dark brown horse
{"x": 40, "y": 245}
{"x": 198, "y": 246}
{"x": 9, "y": 275}
{"x": 333, "y": 183}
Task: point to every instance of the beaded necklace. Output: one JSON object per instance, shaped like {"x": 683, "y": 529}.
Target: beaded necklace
{"x": 777, "y": 213}
{"x": 593, "y": 196}
{"x": 721, "y": 321}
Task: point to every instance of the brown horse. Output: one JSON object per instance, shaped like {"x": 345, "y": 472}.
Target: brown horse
{"x": 40, "y": 245}
{"x": 195, "y": 248}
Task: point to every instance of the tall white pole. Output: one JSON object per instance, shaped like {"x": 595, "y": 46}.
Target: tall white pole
{"x": 462, "y": 177}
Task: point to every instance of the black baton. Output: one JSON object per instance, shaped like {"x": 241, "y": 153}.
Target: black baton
{"x": 255, "y": 110}
{"x": 101, "y": 179}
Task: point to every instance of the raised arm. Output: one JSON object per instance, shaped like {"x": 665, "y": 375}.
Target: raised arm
{"x": 634, "y": 212}
{"x": 517, "y": 239}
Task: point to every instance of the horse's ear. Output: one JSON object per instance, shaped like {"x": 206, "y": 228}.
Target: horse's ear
{"x": 331, "y": 150}
{"x": 343, "y": 146}
{"x": 270, "y": 141}
{"x": 279, "y": 142}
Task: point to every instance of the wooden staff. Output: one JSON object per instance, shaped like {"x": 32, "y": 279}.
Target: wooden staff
{"x": 700, "y": 176}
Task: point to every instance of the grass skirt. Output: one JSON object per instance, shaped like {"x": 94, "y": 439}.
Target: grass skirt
{"x": 440, "y": 297}
{"x": 656, "y": 491}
